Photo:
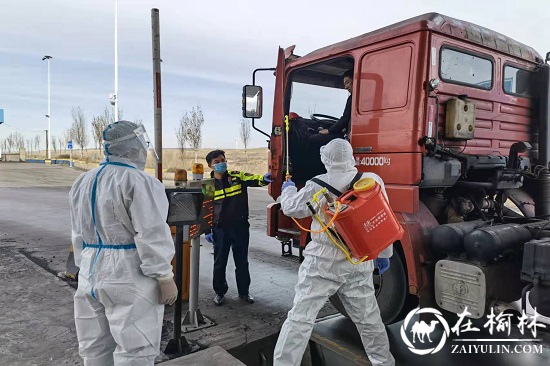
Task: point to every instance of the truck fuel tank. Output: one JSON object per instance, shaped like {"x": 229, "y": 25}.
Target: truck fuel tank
{"x": 449, "y": 238}
{"x": 488, "y": 243}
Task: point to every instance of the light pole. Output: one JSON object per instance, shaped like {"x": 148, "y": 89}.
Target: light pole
{"x": 116, "y": 61}
{"x": 48, "y": 58}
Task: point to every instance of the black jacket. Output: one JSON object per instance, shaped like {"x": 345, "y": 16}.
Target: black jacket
{"x": 344, "y": 121}
{"x": 231, "y": 197}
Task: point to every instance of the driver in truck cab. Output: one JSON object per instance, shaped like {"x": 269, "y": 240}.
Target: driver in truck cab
{"x": 337, "y": 130}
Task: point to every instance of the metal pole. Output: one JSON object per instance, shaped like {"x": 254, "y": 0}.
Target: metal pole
{"x": 48, "y": 142}
{"x": 157, "y": 100}
{"x": 182, "y": 235}
{"x": 194, "y": 278}
{"x": 116, "y": 60}
{"x": 178, "y": 344}
{"x": 49, "y": 116}
{"x": 47, "y": 145}
{"x": 71, "y": 158}
{"x": 194, "y": 319}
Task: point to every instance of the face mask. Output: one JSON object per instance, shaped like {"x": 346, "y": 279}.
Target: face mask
{"x": 220, "y": 167}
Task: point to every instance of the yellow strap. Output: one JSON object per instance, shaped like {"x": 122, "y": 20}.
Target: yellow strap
{"x": 323, "y": 228}
{"x": 341, "y": 246}
{"x": 316, "y": 195}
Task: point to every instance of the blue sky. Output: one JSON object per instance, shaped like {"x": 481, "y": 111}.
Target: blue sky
{"x": 209, "y": 50}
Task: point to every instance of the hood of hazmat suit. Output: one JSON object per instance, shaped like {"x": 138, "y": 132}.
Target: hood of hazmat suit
{"x": 326, "y": 270}
{"x": 123, "y": 247}
{"x": 128, "y": 141}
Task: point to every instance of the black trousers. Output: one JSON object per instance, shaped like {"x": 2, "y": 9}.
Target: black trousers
{"x": 236, "y": 238}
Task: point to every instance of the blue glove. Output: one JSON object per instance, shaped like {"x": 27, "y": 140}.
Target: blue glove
{"x": 288, "y": 183}
{"x": 268, "y": 178}
{"x": 383, "y": 264}
{"x": 209, "y": 238}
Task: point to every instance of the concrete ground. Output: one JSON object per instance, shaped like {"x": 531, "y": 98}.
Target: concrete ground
{"x": 213, "y": 356}
{"x": 35, "y": 322}
{"x": 37, "y": 326}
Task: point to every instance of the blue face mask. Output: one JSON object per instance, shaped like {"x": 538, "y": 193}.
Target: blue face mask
{"x": 220, "y": 167}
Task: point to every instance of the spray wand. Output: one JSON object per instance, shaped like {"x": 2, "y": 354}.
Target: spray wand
{"x": 287, "y": 128}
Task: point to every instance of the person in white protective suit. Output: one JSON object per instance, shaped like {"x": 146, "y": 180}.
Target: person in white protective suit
{"x": 124, "y": 249}
{"x": 326, "y": 270}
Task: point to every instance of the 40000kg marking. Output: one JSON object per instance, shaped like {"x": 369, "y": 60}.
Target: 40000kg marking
{"x": 373, "y": 161}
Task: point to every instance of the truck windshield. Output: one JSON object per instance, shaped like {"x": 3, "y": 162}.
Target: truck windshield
{"x": 308, "y": 99}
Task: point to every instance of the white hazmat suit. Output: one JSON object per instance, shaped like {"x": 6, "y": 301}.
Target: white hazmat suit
{"x": 325, "y": 271}
{"x": 124, "y": 249}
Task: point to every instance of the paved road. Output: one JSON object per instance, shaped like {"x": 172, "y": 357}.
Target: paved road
{"x": 34, "y": 242}
{"x": 36, "y": 325}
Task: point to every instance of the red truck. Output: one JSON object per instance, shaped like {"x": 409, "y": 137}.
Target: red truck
{"x": 454, "y": 118}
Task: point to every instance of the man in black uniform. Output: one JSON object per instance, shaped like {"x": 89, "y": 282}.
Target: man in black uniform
{"x": 337, "y": 130}
{"x": 231, "y": 227}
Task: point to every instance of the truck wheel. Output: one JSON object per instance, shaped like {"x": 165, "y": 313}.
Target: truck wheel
{"x": 391, "y": 292}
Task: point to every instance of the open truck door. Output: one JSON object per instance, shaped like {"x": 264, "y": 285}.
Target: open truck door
{"x": 276, "y": 141}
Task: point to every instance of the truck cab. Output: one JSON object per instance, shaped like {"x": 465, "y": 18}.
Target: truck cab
{"x": 444, "y": 111}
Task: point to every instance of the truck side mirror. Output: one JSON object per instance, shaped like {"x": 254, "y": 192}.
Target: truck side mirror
{"x": 252, "y": 101}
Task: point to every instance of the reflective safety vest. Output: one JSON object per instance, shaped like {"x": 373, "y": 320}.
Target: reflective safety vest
{"x": 231, "y": 197}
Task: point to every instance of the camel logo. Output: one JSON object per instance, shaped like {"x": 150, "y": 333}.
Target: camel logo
{"x": 421, "y": 331}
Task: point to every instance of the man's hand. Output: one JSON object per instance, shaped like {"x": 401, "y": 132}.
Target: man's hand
{"x": 209, "y": 238}
{"x": 268, "y": 178}
{"x": 288, "y": 183}
{"x": 324, "y": 131}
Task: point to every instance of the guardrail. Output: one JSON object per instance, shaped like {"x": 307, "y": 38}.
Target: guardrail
{"x": 45, "y": 161}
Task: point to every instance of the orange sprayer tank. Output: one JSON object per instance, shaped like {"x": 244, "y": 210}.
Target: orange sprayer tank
{"x": 366, "y": 222}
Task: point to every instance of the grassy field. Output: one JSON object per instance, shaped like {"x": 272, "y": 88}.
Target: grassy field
{"x": 251, "y": 160}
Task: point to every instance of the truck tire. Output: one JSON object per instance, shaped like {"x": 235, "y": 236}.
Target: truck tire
{"x": 391, "y": 291}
